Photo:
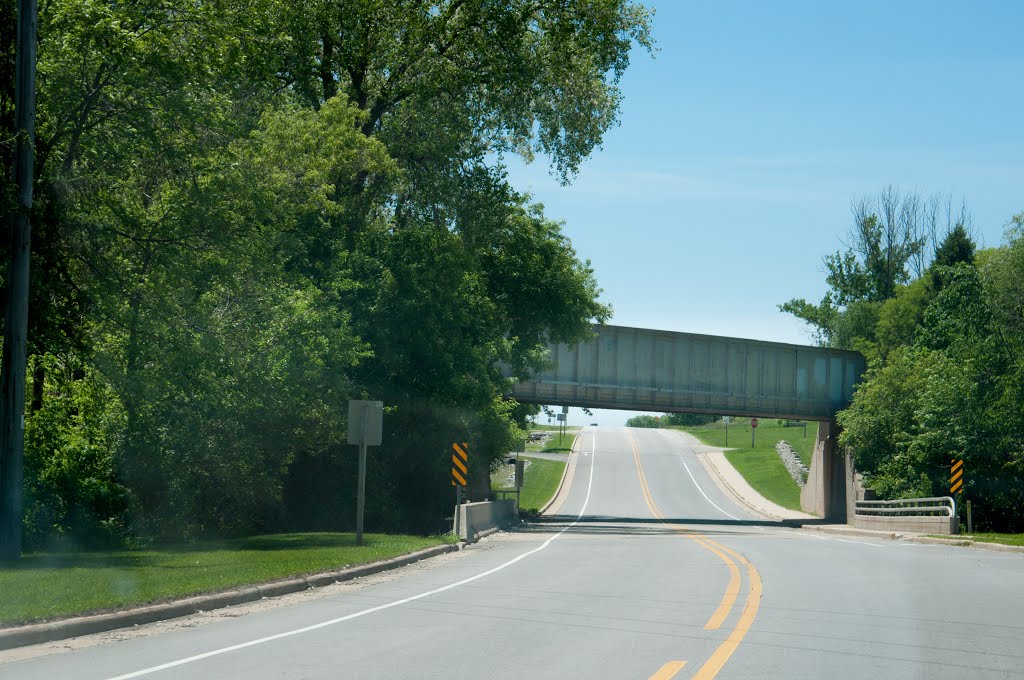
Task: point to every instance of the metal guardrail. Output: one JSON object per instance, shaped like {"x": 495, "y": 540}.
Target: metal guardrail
{"x": 941, "y": 506}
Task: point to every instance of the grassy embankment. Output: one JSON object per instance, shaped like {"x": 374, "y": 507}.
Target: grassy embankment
{"x": 542, "y": 476}
{"x": 51, "y": 585}
{"x": 760, "y": 465}
{"x": 556, "y": 443}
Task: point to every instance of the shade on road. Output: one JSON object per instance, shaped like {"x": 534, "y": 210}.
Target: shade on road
{"x": 647, "y": 571}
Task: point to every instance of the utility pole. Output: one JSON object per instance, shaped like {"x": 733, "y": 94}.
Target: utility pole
{"x": 12, "y": 372}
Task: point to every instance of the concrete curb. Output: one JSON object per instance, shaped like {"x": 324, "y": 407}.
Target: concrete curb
{"x": 846, "y": 530}
{"x": 565, "y": 470}
{"x": 36, "y": 633}
{"x": 725, "y": 485}
{"x": 966, "y": 543}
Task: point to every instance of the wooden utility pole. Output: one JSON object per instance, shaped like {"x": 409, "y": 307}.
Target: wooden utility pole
{"x": 12, "y": 372}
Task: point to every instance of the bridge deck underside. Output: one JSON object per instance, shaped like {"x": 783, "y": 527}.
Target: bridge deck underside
{"x": 641, "y": 369}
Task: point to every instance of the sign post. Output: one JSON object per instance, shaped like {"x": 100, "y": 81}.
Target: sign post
{"x": 520, "y": 472}
{"x": 726, "y": 420}
{"x": 365, "y": 421}
{"x": 753, "y": 429}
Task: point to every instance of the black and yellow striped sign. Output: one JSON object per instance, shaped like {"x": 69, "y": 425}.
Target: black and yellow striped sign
{"x": 956, "y": 476}
{"x": 460, "y": 459}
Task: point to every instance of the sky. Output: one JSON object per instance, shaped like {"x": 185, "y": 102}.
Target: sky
{"x": 744, "y": 140}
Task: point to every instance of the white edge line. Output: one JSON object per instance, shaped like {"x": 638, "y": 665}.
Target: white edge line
{"x": 846, "y": 540}
{"x": 364, "y": 612}
{"x": 696, "y": 484}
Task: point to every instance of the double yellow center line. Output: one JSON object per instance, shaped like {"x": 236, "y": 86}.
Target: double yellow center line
{"x": 728, "y": 557}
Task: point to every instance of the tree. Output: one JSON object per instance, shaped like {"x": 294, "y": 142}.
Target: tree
{"x": 518, "y": 76}
{"x": 260, "y": 210}
{"x": 644, "y": 421}
{"x": 901, "y": 317}
{"x": 888, "y": 244}
{"x": 952, "y": 391}
{"x": 687, "y": 419}
{"x": 957, "y": 247}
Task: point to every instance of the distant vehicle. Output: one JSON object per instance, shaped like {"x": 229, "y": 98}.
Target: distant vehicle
{"x": 593, "y": 424}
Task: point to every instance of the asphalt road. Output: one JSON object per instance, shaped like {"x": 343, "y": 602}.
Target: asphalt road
{"x": 650, "y": 571}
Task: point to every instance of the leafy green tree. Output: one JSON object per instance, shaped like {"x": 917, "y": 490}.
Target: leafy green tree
{"x": 465, "y": 273}
{"x": 254, "y": 211}
{"x": 687, "y": 419}
{"x": 901, "y": 317}
{"x": 644, "y": 421}
{"x": 953, "y": 394}
{"x": 517, "y": 76}
{"x": 74, "y": 497}
{"x": 957, "y": 247}
{"x": 887, "y": 238}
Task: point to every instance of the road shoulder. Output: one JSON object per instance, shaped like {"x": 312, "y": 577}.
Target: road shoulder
{"x": 732, "y": 483}
{"x": 555, "y": 504}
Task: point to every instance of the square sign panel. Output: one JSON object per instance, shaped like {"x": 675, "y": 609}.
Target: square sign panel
{"x": 365, "y": 419}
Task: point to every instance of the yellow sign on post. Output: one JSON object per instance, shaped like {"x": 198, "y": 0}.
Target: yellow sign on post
{"x": 956, "y": 476}
{"x": 460, "y": 463}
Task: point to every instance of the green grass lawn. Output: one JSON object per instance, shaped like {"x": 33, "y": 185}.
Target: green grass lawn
{"x": 540, "y": 483}
{"x": 50, "y": 585}
{"x": 558, "y": 443}
{"x": 760, "y": 465}
{"x": 553, "y": 428}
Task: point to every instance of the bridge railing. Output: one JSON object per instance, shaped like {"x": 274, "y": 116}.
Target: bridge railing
{"x": 939, "y": 506}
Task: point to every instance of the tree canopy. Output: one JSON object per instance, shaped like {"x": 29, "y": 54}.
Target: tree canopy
{"x": 945, "y": 376}
{"x": 251, "y": 212}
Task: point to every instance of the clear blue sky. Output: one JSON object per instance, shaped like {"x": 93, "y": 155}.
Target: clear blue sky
{"x": 744, "y": 140}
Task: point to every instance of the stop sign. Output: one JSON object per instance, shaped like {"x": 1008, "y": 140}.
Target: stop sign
{"x": 753, "y": 422}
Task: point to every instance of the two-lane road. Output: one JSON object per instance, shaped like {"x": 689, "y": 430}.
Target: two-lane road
{"x": 648, "y": 570}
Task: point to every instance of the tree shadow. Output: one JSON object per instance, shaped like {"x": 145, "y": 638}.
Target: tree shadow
{"x": 638, "y": 526}
{"x": 154, "y": 556}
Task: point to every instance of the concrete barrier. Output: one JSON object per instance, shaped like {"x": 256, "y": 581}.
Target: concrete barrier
{"x": 476, "y": 518}
{"x": 934, "y": 515}
{"x": 920, "y": 524}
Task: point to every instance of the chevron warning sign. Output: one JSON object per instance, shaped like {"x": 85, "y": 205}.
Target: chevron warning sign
{"x": 460, "y": 460}
{"x": 956, "y": 476}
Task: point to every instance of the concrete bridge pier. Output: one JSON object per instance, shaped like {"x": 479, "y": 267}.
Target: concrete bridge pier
{"x": 829, "y": 492}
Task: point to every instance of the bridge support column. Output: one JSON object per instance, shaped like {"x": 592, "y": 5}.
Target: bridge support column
{"x": 829, "y": 483}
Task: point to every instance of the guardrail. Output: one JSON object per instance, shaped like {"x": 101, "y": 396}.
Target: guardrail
{"x": 939, "y": 506}
{"x": 925, "y": 515}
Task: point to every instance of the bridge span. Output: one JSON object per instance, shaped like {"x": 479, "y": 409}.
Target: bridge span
{"x": 640, "y": 369}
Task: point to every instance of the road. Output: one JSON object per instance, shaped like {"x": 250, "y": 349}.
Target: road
{"x": 649, "y": 571}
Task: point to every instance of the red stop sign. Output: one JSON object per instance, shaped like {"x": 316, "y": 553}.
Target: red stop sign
{"x": 753, "y": 422}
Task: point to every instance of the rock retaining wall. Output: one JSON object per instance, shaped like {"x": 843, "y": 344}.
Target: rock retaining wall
{"x": 794, "y": 466}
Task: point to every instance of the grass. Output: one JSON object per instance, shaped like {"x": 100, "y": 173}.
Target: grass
{"x": 760, "y": 465}
{"x": 1005, "y": 539}
{"x": 52, "y": 585}
{"x": 557, "y": 443}
{"x": 540, "y": 483}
